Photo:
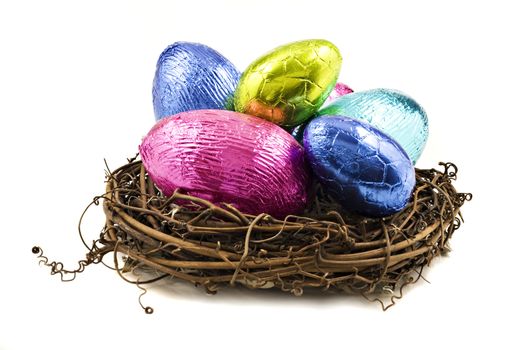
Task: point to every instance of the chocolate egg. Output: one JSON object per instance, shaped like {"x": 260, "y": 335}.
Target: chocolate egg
{"x": 224, "y": 156}
{"x": 290, "y": 83}
{"x": 391, "y": 111}
{"x": 298, "y": 130}
{"x": 363, "y": 168}
{"x": 192, "y": 76}
{"x": 339, "y": 90}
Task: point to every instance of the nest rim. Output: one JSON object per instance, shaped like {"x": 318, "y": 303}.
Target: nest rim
{"x": 325, "y": 248}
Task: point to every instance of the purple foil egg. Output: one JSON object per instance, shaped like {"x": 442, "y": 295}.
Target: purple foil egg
{"x": 230, "y": 157}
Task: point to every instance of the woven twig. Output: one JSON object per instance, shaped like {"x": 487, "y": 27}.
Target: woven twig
{"x": 327, "y": 247}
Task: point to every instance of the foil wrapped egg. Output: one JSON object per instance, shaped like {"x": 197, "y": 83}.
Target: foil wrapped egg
{"x": 298, "y": 130}
{"x": 339, "y": 90}
{"x": 191, "y": 76}
{"x": 391, "y": 111}
{"x": 225, "y": 156}
{"x": 290, "y": 83}
{"x": 363, "y": 168}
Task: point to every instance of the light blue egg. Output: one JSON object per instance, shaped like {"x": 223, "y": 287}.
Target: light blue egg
{"x": 391, "y": 111}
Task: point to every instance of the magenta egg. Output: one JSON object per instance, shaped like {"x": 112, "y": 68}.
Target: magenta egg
{"x": 339, "y": 90}
{"x": 229, "y": 157}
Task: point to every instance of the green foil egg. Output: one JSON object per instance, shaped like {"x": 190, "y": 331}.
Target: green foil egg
{"x": 290, "y": 83}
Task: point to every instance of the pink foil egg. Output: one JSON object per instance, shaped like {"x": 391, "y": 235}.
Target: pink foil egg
{"x": 230, "y": 157}
{"x": 340, "y": 89}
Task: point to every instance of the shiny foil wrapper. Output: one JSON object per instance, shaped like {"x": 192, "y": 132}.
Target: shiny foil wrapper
{"x": 289, "y": 84}
{"x": 191, "y": 76}
{"x": 363, "y": 168}
{"x": 297, "y": 131}
{"x": 224, "y": 156}
{"x": 391, "y": 111}
{"x": 339, "y": 90}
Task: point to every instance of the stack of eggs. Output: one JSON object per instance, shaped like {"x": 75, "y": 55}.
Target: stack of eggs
{"x": 256, "y": 139}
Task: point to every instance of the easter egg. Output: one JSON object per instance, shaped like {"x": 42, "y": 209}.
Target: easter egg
{"x": 192, "y": 76}
{"x": 363, "y": 168}
{"x": 224, "y": 156}
{"x": 290, "y": 83}
{"x": 339, "y": 90}
{"x": 298, "y": 130}
{"x": 391, "y": 111}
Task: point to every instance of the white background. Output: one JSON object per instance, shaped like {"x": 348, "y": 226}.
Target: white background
{"x": 75, "y": 88}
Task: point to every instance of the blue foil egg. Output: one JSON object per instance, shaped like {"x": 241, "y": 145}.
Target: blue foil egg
{"x": 391, "y": 111}
{"x": 363, "y": 168}
{"x": 192, "y": 76}
{"x": 298, "y": 130}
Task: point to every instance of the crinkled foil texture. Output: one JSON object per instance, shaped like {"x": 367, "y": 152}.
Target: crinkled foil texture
{"x": 339, "y": 90}
{"x": 391, "y": 111}
{"x": 230, "y": 157}
{"x": 362, "y": 167}
{"x": 191, "y": 76}
{"x": 290, "y": 83}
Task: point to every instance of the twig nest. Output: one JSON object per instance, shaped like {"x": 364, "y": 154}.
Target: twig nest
{"x": 326, "y": 247}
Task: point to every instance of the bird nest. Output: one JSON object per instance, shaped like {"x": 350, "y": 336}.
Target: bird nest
{"x": 326, "y": 248}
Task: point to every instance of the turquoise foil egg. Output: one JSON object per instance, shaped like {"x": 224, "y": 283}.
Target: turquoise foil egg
{"x": 391, "y": 111}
